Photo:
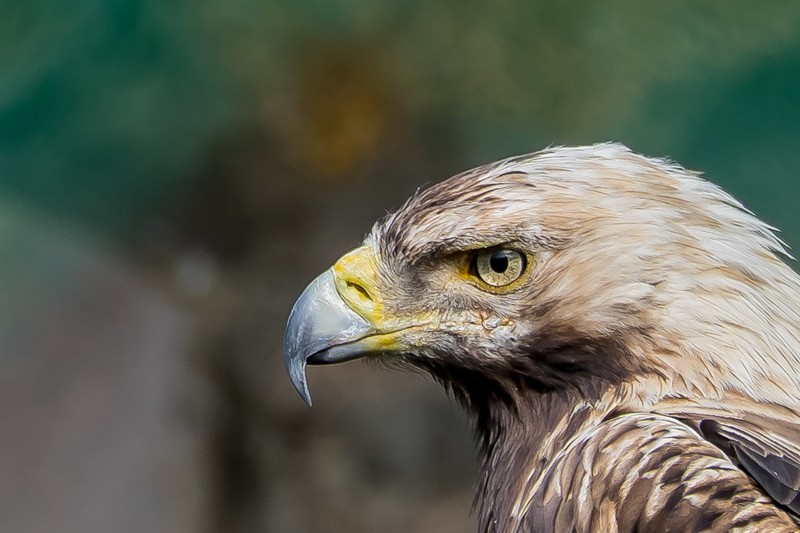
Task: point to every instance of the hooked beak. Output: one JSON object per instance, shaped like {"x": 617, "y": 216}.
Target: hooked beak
{"x": 339, "y": 317}
{"x": 320, "y": 330}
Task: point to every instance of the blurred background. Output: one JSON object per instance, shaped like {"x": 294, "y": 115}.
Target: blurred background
{"x": 173, "y": 173}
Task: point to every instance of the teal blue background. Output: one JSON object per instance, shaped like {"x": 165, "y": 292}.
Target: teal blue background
{"x": 105, "y": 107}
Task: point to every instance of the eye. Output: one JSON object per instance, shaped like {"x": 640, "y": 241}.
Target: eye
{"x": 498, "y": 266}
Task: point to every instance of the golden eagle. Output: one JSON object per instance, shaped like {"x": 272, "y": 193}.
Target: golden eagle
{"x": 623, "y": 333}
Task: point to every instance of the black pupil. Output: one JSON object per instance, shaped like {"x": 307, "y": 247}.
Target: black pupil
{"x": 499, "y": 261}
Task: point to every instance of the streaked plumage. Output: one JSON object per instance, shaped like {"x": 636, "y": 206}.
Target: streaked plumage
{"x": 643, "y": 374}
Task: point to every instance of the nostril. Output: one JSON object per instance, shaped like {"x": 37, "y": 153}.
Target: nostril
{"x": 359, "y": 290}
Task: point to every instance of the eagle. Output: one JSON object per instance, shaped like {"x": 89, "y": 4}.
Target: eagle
{"x": 623, "y": 334}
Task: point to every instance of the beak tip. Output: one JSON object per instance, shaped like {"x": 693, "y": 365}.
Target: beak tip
{"x": 305, "y": 394}
{"x": 297, "y": 374}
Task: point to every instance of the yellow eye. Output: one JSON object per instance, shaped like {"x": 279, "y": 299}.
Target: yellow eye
{"x": 498, "y": 266}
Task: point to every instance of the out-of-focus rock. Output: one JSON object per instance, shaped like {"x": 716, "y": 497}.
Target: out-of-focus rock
{"x": 91, "y": 385}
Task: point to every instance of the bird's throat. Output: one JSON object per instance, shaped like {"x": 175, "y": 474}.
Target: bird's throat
{"x": 517, "y": 449}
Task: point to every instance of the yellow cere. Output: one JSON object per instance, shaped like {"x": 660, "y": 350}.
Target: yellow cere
{"x": 356, "y": 275}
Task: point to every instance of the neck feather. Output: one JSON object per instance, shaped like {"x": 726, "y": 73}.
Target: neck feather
{"x": 519, "y": 425}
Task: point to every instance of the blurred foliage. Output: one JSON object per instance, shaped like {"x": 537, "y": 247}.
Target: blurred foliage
{"x": 105, "y": 106}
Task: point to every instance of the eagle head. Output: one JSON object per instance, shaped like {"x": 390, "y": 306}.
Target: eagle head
{"x": 571, "y": 269}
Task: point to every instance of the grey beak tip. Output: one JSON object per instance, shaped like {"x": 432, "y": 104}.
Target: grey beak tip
{"x": 297, "y": 374}
{"x": 296, "y": 367}
{"x": 306, "y": 396}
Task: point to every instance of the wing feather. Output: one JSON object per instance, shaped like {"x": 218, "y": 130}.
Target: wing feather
{"x": 765, "y": 453}
{"x": 647, "y": 472}
{"x": 764, "y": 442}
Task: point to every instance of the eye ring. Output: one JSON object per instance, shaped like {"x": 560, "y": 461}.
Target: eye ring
{"x": 498, "y": 267}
